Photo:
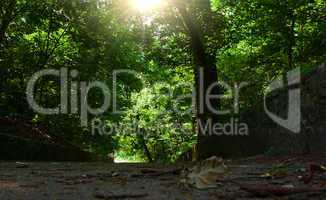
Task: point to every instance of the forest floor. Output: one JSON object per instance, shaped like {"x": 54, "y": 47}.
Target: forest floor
{"x": 252, "y": 178}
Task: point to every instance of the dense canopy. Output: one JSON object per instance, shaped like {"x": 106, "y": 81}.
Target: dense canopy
{"x": 158, "y": 48}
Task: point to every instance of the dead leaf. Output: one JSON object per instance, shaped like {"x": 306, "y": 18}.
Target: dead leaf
{"x": 313, "y": 168}
{"x": 276, "y": 173}
{"x": 207, "y": 173}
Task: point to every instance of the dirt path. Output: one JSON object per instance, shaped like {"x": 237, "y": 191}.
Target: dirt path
{"x": 67, "y": 181}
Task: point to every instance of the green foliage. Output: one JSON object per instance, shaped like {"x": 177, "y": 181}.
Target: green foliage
{"x": 255, "y": 42}
{"x": 162, "y": 118}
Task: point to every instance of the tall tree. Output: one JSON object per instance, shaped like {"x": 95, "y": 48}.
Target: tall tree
{"x": 205, "y": 71}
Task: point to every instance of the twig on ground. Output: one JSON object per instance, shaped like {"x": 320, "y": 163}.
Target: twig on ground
{"x": 155, "y": 172}
{"x": 120, "y": 196}
{"x": 264, "y": 191}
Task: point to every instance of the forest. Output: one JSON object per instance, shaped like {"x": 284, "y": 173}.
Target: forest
{"x": 149, "y": 57}
{"x": 161, "y": 81}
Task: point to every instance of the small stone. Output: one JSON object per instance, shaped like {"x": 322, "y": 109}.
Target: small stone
{"x": 21, "y": 165}
{"x": 115, "y": 174}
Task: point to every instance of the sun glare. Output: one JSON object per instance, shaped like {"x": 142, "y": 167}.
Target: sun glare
{"x": 146, "y": 5}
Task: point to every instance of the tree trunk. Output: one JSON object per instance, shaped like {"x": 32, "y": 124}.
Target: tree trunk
{"x": 146, "y": 150}
{"x": 205, "y": 76}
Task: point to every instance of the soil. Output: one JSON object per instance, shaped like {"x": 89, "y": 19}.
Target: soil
{"x": 68, "y": 181}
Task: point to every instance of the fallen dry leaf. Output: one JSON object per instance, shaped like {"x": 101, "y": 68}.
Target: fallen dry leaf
{"x": 207, "y": 173}
{"x": 275, "y": 174}
{"x": 313, "y": 168}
